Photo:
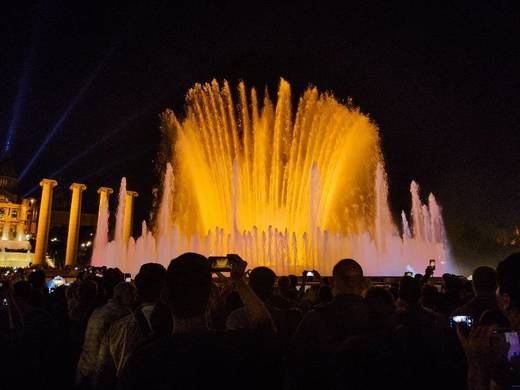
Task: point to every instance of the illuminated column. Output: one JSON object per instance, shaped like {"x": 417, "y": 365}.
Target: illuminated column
{"x": 104, "y": 193}
{"x": 128, "y": 219}
{"x": 44, "y": 220}
{"x": 22, "y": 220}
{"x": 7, "y": 228}
{"x": 74, "y": 223}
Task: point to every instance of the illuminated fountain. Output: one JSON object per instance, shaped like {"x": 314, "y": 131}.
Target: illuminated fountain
{"x": 290, "y": 190}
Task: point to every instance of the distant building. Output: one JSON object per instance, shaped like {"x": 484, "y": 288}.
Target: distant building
{"x": 18, "y": 218}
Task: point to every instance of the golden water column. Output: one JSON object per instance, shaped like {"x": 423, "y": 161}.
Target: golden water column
{"x": 74, "y": 222}
{"x": 44, "y": 220}
{"x": 128, "y": 219}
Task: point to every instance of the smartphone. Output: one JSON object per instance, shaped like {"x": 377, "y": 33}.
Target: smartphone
{"x": 408, "y": 273}
{"x": 432, "y": 263}
{"x": 466, "y": 321}
{"x": 128, "y": 278}
{"x": 514, "y": 345}
{"x": 220, "y": 263}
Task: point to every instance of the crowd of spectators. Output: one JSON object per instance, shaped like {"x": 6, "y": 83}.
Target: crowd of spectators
{"x": 191, "y": 327}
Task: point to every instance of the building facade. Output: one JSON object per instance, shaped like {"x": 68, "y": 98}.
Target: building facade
{"x": 18, "y": 218}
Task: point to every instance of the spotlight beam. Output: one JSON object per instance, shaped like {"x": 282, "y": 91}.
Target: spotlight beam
{"x": 131, "y": 156}
{"x": 18, "y": 102}
{"x": 65, "y": 114}
{"x": 102, "y": 169}
{"x": 23, "y": 84}
{"x": 122, "y": 125}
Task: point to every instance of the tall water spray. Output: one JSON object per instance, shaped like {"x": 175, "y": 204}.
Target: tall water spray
{"x": 290, "y": 190}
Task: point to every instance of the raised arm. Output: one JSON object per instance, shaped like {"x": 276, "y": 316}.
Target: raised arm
{"x": 259, "y": 316}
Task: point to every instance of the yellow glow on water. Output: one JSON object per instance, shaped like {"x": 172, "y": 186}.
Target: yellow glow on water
{"x": 245, "y": 165}
{"x": 292, "y": 188}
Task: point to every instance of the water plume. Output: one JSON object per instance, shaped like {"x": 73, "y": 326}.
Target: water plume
{"x": 291, "y": 188}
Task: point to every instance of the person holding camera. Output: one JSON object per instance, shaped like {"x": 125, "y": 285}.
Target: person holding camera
{"x": 193, "y": 355}
{"x": 493, "y": 353}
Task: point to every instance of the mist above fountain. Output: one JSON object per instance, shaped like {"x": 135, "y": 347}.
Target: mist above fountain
{"x": 290, "y": 190}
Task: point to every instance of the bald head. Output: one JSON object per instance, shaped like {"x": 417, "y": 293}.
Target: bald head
{"x": 348, "y": 277}
{"x": 484, "y": 280}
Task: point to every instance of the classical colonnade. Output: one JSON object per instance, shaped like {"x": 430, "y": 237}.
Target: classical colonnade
{"x": 44, "y": 218}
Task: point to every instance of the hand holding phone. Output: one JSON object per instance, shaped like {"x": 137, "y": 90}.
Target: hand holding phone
{"x": 462, "y": 319}
{"x": 219, "y": 263}
{"x": 432, "y": 264}
{"x": 238, "y": 266}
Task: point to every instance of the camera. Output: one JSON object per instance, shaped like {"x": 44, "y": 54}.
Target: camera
{"x": 219, "y": 263}
{"x": 311, "y": 276}
{"x": 128, "y": 278}
{"x": 466, "y": 321}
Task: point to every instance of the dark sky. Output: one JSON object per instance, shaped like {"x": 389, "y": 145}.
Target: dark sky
{"x": 441, "y": 79}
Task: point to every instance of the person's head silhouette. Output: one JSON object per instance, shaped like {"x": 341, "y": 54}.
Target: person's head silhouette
{"x": 508, "y": 292}
{"x": 484, "y": 280}
{"x": 188, "y": 283}
{"x": 409, "y": 291}
{"x": 348, "y": 278}
{"x": 261, "y": 280}
{"x": 150, "y": 282}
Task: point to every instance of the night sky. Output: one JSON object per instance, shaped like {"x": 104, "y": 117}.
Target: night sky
{"x": 441, "y": 80}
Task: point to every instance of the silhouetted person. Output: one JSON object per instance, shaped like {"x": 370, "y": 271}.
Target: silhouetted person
{"x": 489, "y": 366}
{"x": 451, "y": 292}
{"x": 429, "y": 297}
{"x": 325, "y": 294}
{"x": 484, "y": 286}
{"x": 376, "y": 358}
{"x": 123, "y": 297}
{"x": 284, "y": 291}
{"x": 26, "y": 361}
{"x": 284, "y": 284}
{"x": 293, "y": 290}
{"x": 194, "y": 356}
{"x": 325, "y": 327}
{"x": 111, "y": 278}
{"x": 431, "y": 344}
{"x": 151, "y": 319}
{"x": 261, "y": 280}
{"x": 39, "y": 291}
{"x": 285, "y": 316}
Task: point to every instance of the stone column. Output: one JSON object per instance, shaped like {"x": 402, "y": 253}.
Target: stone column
{"x": 74, "y": 223}
{"x": 104, "y": 193}
{"x": 22, "y": 220}
{"x": 129, "y": 217}
{"x": 7, "y": 225}
{"x": 44, "y": 220}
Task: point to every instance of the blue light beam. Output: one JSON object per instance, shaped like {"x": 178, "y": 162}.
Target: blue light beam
{"x": 23, "y": 83}
{"x": 104, "y": 168}
{"x": 18, "y": 103}
{"x": 131, "y": 156}
{"x": 124, "y": 124}
{"x": 65, "y": 115}
{"x": 117, "y": 129}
